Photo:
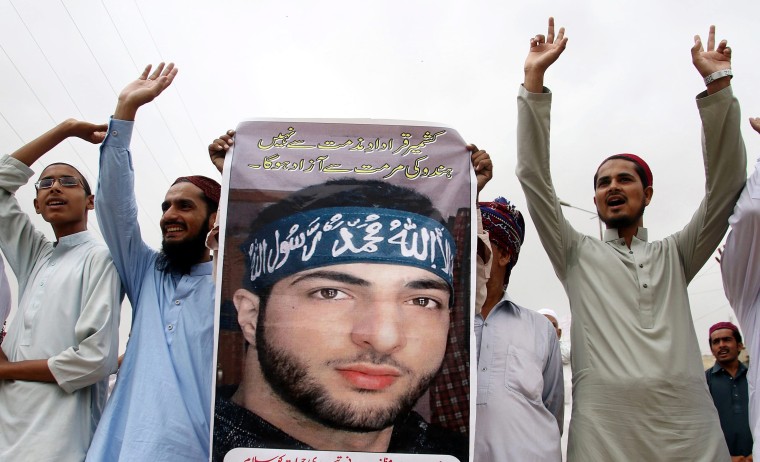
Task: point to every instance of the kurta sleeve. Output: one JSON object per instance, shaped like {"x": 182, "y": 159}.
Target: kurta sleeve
{"x": 5, "y": 294}
{"x": 20, "y": 242}
{"x": 533, "y": 171}
{"x": 116, "y": 208}
{"x": 553, "y": 393}
{"x": 96, "y": 330}
{"x": 725, "y": 160}
{"x": 739, "y": 264}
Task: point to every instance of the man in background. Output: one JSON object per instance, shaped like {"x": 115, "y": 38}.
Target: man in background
{"x": 520, "y": 396}
{"x": 727, "y": 381}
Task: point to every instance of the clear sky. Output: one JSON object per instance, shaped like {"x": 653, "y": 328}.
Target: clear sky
{"x": 624, "y": 84}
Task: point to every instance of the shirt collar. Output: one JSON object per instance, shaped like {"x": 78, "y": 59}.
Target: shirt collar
{"x": 73, "y": 240}
{"x": 611, "y": 234}
{"x": 202, "y": 269}
{"x": 717, "y": 368}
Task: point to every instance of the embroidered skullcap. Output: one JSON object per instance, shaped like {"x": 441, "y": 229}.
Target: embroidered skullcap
{"x": 723, "y": 325}
{"x": 636, "y": 160}
{"x": 211, "y": 189}
{"x": 505, "y": 226}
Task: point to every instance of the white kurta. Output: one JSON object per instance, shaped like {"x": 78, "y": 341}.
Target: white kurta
{"x": 638, "y": 385}
{"x": 69, "y": 307}
{"x": 741, "y": 280}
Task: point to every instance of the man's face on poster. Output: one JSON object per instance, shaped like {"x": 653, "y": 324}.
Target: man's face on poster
{"x": 351, "y": 346}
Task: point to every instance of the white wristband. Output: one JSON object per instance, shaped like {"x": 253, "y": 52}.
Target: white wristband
{"x": 717, "y": 75}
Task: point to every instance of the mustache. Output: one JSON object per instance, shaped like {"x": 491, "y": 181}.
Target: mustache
{"x": 370, "y": 357}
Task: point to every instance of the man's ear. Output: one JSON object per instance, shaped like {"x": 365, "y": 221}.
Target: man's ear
{"x": 212, "y": 220}
{"x": 90, "y": 205}
{"x": 504, "y": 259}
{"x": 247, "y": 305}
{"x": 37, "y": 206}
{"x": 648, "y": 193}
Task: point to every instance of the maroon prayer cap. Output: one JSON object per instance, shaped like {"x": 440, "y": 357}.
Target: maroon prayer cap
{"x": 211, "y": 189}
{"x": 723, "y": 325}
{"x": 636, "y": 160}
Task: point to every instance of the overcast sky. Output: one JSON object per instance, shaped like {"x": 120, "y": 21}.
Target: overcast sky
{"x": 624, "y": 84}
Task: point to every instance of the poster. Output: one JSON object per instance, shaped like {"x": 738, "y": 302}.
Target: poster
{"x": 344, "y": 301}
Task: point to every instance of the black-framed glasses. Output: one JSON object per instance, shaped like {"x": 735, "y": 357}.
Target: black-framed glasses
{"x": 65, "y": 181}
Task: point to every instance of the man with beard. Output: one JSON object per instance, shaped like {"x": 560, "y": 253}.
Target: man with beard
{"x": 639, "y": 390}
{"x": 727, "y": 382}
{"x": 160, "y": 406}
{"x": 345, "y": 335}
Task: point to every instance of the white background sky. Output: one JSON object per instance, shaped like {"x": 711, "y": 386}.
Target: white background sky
{"x": 624, "y": 84}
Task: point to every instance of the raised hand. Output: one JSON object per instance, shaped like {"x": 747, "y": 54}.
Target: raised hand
{"x": 144, "y": 90}
{"x": 755, "y": 122}
{"x": 544, "y": 51}
{"x": 93, "y": 133}
{"x": 217, "y": 150}
{"x": 711, "y": 59}
{"x": 482, "y": 164}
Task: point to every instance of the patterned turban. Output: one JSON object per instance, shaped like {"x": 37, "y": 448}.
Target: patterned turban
{"x": 211, "y": 189}
{"x": 505, "y": 226}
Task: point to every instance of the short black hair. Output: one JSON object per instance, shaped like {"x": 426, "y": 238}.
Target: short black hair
{"x": 639, "y": 169}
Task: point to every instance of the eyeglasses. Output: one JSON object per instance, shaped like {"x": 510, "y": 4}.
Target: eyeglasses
{"x": 65, "y": 181}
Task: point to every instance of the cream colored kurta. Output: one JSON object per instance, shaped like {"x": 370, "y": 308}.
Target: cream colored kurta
{"x": 639, "y": 392}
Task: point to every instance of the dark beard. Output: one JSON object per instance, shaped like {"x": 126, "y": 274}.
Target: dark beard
{"x": 289, "y": 377}
{"x": 623, "y": 222}
{"x": 179, "y": 257}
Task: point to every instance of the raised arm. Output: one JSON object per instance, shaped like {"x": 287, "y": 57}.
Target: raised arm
{"x": 20, "y": 241}
{"x": 533, "y": 166}
{"x": 32, "y": 151}
{"x": 116, "y": 204}
{"x": 739, "y": 263}
{"x": 483, "y": 167}
{"x": 724, "y": 154}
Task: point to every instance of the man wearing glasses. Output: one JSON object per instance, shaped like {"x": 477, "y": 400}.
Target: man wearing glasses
{"x": 62, "y": 342}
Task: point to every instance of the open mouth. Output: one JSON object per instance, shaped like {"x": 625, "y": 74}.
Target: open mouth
{"x": 615, "y": 201}
{"x": 173, "y": 228}
{"x": 55, "y": 203}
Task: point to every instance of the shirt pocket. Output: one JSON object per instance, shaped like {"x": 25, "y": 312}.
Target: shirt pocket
{"x": 523, "y": 374}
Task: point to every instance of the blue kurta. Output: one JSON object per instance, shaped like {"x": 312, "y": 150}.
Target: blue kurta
{"x": 161, "y": 405}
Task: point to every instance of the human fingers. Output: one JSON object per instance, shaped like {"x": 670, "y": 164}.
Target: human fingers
{"x": 711, "y": 39}
{"x": 561, "y": 35}
{"x": 540, "y": 38}
{"x": 145, "y": 72}
{"x": 168, "y": 69}
{"x": 471, "y": 148}
{"x": 550, "y": 31}
{"x": 697, "y": 47}
{"x": 157, "y": 71}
